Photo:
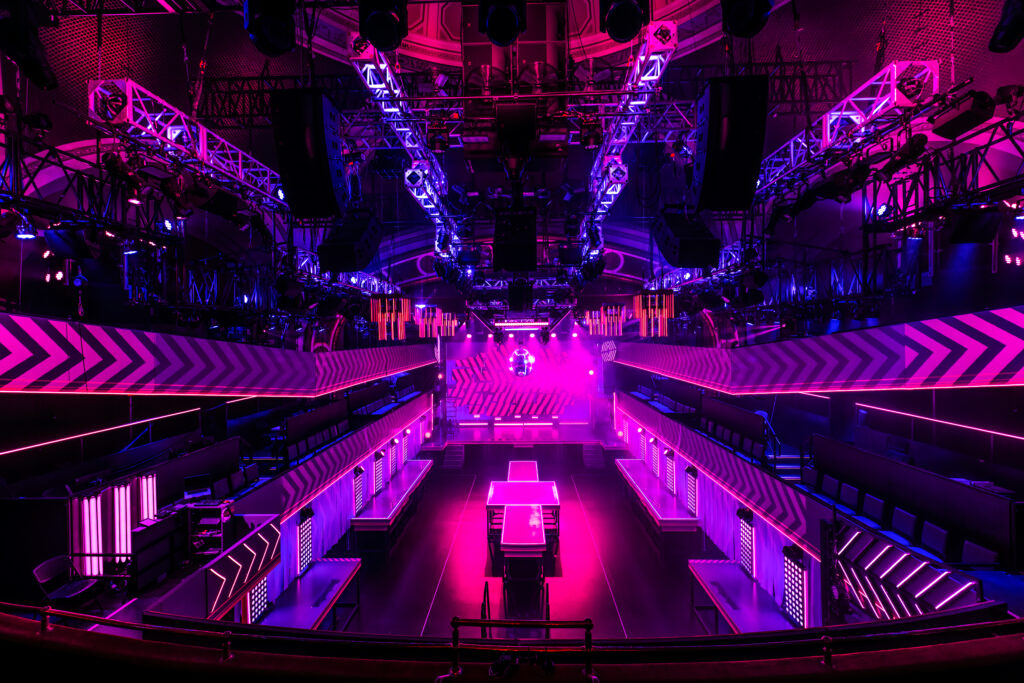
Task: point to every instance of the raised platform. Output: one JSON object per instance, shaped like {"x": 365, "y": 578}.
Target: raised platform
{"x": 312, "y": 598}
{"x": 746, "y": 607}
{"x": 667, "y": 511}
{"x": 387, "y": 506}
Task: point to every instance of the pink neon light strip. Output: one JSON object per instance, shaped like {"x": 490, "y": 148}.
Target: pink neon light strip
{"x": 936, "y": 421}
{"x": 98, "y": 431}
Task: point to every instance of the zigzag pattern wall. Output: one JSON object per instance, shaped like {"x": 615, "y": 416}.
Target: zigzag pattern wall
{"x": 38, "y": 354}
{"x": 968, "y": 350}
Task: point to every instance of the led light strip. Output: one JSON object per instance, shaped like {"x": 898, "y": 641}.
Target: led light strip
{"x": 934, "y": 420}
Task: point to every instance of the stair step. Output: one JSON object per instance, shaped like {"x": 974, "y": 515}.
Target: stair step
{"x": 454, "y": 457}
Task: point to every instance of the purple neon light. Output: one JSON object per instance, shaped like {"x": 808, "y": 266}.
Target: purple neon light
{"x": 935, "y": 420}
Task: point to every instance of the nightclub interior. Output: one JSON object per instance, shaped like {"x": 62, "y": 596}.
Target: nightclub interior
{"x": 601, "y": 340}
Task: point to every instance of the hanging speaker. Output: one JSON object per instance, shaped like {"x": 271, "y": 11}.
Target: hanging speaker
{"x": 685, "y": 241}
{"x": 731, "y": 117}
{"x": 351, "y": 244}
{"x": 309, "y": 152}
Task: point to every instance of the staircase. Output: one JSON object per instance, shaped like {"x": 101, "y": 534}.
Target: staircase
{"x": 454, "y": 457}
{"x": 787, "y": 464}
{"x": 593, "y": 456}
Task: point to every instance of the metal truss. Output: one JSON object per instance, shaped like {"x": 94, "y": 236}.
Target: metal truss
{"x": 72, "y": 8}
{"x": 791, "y": 85}
{"x": 70, "y": 188}
{"x": 244, "y": 101}
{"x": 983, "y": 167}
{"x": 128, "y": 111}
{"x": 608, "y": 176}
{"x": 877, "y": 103}
{"x": 426, "y": 180}
{"x": 307, "y": 268}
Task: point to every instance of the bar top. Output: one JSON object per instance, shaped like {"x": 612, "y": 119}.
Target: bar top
{"x": 522, "y": 470}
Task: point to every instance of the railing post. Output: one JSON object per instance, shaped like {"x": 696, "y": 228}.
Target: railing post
{"x": 826, "y": 650}
{"x": 44, "y": 619}
{"x": 456, "y": 669}
{"x": 588, "y": 645}
{"x": 226, "y": 647}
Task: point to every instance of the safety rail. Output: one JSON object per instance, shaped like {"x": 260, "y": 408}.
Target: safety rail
{"x": 823, "y": 642}
{"x": 588, "y": 639}
{"x": 485, "y": 610}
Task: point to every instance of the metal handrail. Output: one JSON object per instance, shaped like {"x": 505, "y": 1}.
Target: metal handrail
{"x": 588, "y": 638}
{"x": 485, "y": 610}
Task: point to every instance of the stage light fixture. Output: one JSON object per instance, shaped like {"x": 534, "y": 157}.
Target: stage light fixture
{"x": 903, "y": 157}
{"x": 26, "y": 231}
{"x": 502, "y": 20}
{"x": 591, "y": 136}
{"x": 271, "y": 25}
{"x": 623, "y": 19}
{"x": 384, "y": 23}
{"x": 745, "y": 18}
{"x": 1010, "y": 29}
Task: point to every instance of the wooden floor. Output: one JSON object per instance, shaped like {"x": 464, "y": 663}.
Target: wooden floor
{"x": 608, "y": 569}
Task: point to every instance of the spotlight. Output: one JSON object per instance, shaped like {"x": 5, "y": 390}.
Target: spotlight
{"x": 591, "y": 135}
{"x": 590, "y": 372}
{"x": 882, "y": 211}
{"x": 271, "y": 25}
{"x": 279, "y": 193}
{"x": 575, "y": 334}
{"x": 532, "y": 335}
{"x": 437, "y": 135}
{"x": 502, "y": 20}
{"x": 440, "y": 375}
{"x": 1010, "y": 29}
{"x": 384, "y": 23}
{"x": 59, "y": 275}
{"x": 619, "y": 433}
{"x": 745, "y": 18}
{"x": 46, "y": 278}
{"x": 26, "y": 231}
{"x": 48, "y": 253}
{"x": 623, "y": 19}
{"x": 38, "y": 124}
{"x": 904, "y": 156}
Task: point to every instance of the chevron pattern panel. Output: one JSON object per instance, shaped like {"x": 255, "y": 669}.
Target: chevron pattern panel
{"x": 290, "y": 491}
{"x": 38, "y": 354}
{"x": 794, "y": 514}
{"x": 341, "y": 369}
{"x": 968, "y": 350}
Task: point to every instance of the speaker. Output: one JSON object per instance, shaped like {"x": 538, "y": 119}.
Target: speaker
{"x": 515, "y": 239}
{"x": 520, "y": 295}
{"x": 685, "y": 241}
{"x": 351, "y": 244}
{"x": 309, "y": 152}
{"x": 732, "y": 114}
{"x": 969, "y": 111}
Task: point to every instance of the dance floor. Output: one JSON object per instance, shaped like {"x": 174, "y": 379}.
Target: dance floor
{"x": 608, "y": 568}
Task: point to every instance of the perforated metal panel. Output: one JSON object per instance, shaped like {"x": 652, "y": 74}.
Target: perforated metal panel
{"x": 794, "y": 597}
{"x": 747, "y": 545}
{"x": 670, "y": 472}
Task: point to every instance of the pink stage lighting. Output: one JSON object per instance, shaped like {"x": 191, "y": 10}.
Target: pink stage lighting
{"x": 591, "y": 372}
{"x": 575, "y": 334}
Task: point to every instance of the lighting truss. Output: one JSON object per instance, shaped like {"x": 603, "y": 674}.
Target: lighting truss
{"x": 877, "y": 102}
{"x": 650, "y": 62}
{"x": 987, "y": 164}
{"x": 138, "y": 116}
{"x": 429, "y": 184}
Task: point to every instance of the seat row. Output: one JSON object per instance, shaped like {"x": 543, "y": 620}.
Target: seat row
{"x": 902, "y": 526}
{"x": 315, "y": 441}
{"x": 733, "y": 439}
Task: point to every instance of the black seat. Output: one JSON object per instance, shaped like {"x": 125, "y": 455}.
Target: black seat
{"x": 62, "y": 585}
{"x": 978, "y": 556}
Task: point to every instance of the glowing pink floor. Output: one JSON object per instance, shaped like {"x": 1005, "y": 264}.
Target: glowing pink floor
{"x": 608, "y": 568}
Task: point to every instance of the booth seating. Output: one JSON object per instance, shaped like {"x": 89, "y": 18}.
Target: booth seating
{"x": 745, "y": 606}
{"x": 668, "y": 512}
{"x": 923, "y": 537}
{"x": 406, "y": 393}
{"x": 378, "y": 524}
{"x": 735, "y": 428}
{"x": 312, "y": 600}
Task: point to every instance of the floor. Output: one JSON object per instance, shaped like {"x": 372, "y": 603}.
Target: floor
{"x": 608, "y": 569}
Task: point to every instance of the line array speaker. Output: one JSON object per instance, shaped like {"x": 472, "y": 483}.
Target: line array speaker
{"x": 732, "y": 114}
{"x": 309, "y": 152}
